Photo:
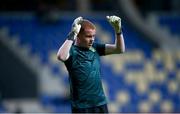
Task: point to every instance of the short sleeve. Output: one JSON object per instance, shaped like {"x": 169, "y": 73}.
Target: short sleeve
{"x": 100, "y": 48}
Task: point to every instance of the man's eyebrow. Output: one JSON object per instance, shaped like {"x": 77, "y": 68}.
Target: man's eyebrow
{"x": 90, "y": 34}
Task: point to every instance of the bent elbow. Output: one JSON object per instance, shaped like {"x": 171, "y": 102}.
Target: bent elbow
{"x": 122, "y": 50}
{"x": 61, "y": 57}
{"x": 58, "y": 57}
{"x": 119, "y": 51}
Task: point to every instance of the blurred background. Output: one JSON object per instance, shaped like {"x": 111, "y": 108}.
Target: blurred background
{"x": 146, "y": 78}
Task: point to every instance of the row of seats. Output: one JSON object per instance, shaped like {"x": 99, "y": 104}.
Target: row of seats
{"x": 170, "y": 21}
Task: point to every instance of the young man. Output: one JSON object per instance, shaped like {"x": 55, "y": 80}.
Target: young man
{"x": 81, "y": 57}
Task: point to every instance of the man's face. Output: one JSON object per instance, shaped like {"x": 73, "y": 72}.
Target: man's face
{"x": 87, "y": 38}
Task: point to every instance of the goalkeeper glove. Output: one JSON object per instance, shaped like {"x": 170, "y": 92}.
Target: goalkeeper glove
{"x": 76, "y": 26}
{"x": 115, "y": 22}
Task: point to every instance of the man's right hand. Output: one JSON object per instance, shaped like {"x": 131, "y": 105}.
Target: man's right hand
{"x": 76, "y": 26}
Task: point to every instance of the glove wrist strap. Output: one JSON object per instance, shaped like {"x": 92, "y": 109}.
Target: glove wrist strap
{"x": 71, "y": 36}
{"x": 119, "y": 33}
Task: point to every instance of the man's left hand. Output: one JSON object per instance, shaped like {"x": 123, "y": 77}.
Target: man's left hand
{"x": 115, "y": 21}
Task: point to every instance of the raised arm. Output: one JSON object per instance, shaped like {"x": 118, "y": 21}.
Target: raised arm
{"x": 119, "y": 45}
{"x": 63, "y": 52}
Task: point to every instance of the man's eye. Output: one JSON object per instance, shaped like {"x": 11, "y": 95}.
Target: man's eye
{"x": 89, "y": 36}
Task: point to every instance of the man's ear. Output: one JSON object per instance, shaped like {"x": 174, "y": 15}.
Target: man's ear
{"x": 79, "y": 35}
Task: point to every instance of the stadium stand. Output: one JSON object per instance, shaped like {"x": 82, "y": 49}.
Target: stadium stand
{"x": 171, "y": 22}
{"x": 143, "y": 79}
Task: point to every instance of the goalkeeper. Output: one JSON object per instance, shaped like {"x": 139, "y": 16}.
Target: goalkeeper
{"x": 81, "y": 56}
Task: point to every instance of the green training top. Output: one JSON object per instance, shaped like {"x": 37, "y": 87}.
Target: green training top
{"x": 83, "y": 66}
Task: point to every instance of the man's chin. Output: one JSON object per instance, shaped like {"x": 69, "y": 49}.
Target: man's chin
{"x": 89, "y": 46}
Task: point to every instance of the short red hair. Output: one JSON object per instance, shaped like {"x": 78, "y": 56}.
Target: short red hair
{"x": 86, "y": 24}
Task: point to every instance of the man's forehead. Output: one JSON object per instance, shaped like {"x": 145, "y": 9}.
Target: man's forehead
{"x": 93, "y": 31}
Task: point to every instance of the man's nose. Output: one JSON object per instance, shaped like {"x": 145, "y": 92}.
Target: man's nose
{"x": 92, "y": 39}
